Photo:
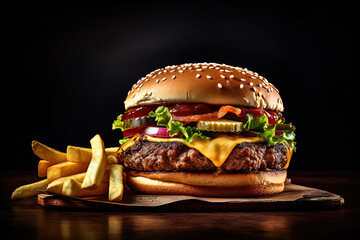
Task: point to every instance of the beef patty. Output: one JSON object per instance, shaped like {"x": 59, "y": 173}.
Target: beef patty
{"x": 175, "y": 156}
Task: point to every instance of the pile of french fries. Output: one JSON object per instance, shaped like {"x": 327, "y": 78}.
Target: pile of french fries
{"x": 79, "y": 172}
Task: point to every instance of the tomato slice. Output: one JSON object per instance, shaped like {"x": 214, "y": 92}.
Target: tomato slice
{"x": 186, "y": 109}
{"x": 138, "y": 112}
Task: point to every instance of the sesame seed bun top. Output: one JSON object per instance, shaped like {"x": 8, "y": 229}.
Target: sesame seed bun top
{"x": 211, "y": 83}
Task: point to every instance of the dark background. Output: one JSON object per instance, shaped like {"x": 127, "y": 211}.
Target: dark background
{"x": 68, "y": 68}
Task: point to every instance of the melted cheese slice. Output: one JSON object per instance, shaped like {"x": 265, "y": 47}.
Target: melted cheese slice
{"x": 216, "y": 149}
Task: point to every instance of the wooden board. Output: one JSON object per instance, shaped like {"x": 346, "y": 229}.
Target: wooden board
{"x": 294, "y": 197}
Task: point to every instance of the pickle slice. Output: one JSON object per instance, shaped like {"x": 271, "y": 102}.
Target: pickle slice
{"x": 139, "y": 122}
{"x": 220, "y": 126}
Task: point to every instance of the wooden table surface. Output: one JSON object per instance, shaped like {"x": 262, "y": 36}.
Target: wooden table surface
{"x": 24, "y": 219}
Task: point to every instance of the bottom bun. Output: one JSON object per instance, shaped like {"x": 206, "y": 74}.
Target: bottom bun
{"x": 208, "y": 184}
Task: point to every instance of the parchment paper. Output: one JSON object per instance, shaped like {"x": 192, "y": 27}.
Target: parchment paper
{"x": 292, "y": 193}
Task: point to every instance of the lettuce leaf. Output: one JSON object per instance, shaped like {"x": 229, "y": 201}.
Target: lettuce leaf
{"x": 266, "y": 131}
{"x": 118, "y": 123}
{"x": 256, "y": 123}
{"x": 163, "y": 118}
{"x": 124, "y": 140}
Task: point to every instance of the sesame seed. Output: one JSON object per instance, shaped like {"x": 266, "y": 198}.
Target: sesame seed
{"x": 181, "y": 71}
{"x": 254, "y": 89}
{"x": 250, "y": 83}
{"x": 173, "y": 70}
{"x": 199, "y": 69}
{"x": 241, "y": 85}
{"x": 198, "y": 75}
{"x": 209, "y": 77}
{"x": 253, "y": 77}
{"x": 246, "y": 100}
{"x": 219, "y": 85}
{"x": 227, "y": 70}
{"x": 154, "y": 76}
{"x": 243, "y": 79}
{"x": 173, "y": 77}
{"x": 157, "y": 80}
{"x": 243, "y": 72}
{"x": 231, "y": 76}
{"x": 163, "y": 79}
{"x": 222, "y": 76}
{"x": 160, "y": 72}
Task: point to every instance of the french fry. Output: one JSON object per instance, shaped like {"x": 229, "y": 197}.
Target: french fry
{"x": 43, "y": 166}
{"x": 83, "y": 155}
{"x": 111, "y": 151}
{"x": 72, "y": 188}
{"x": 66, "y": 174}
{"x": 29, "y": 189}
{"x": 57, "y": 185}
{"x": 116, "y": 185}
{"x": 78, "y": 154}
{"x": 111, "y": 159}
{"x": 96, "y": 169}
{"x": 47, "y": 153}
{"x": 65, "y": 169}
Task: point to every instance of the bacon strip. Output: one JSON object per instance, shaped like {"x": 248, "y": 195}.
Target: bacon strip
{"x": 216, "y": 115}
{"x": 226, "y": 109}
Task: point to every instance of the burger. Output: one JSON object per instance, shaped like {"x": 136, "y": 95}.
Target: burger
{"x": 205, "y": 129}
